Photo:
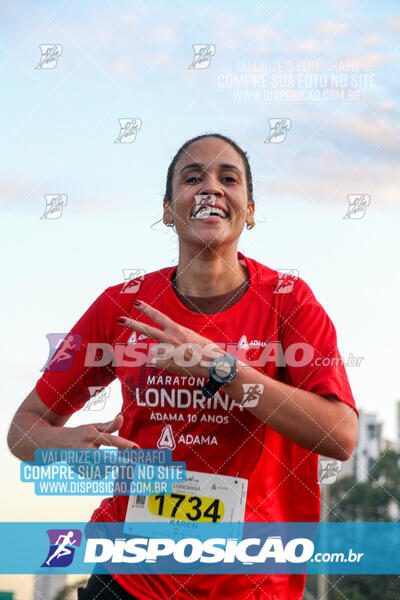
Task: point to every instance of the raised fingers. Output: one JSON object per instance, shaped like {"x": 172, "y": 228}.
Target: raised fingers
{"x": 148, "y": 330}
{"x": 155, "y": 315}
{"x": 111, "y": 426}
{"x": 106, "y": 439}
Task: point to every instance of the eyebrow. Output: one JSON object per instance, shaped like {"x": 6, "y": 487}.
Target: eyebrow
{"x": 201, "y": 167}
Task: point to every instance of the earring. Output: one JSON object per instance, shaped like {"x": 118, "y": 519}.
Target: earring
{"x": 250, "y": 225}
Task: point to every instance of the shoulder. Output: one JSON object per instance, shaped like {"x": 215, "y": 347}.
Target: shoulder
{"x": 285, "y": 285}
{"x": 117, "y": 300}
{"x": 121, "y": 296}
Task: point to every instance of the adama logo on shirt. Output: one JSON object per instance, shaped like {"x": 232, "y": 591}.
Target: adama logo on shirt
{"x": 243, "y": 343}
{"x": 134, "y": 339}
{"x": 166, "y": 439}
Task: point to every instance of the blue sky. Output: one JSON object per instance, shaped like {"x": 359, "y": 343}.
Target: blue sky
{"x": 131, "y": 59}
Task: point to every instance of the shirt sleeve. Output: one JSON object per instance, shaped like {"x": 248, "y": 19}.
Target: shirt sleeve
{"x": 71, "y": 376}
{"x": 309, "y": 344}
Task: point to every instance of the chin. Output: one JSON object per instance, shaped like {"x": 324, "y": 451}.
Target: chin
{"x": 210, "y": 241}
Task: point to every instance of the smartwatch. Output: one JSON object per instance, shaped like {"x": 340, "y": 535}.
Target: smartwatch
{"x": 222, "y": 371}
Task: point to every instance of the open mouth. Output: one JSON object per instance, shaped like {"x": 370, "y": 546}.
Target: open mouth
{"x": 202, "y": 212}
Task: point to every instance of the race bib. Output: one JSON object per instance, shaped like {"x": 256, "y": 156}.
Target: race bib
{"x": 202, "y": 498}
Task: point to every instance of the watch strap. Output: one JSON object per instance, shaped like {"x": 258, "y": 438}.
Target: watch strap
{"x": 211, "y": 388}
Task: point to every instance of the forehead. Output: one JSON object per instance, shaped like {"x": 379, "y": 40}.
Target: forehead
{"x": 211, "y": 152}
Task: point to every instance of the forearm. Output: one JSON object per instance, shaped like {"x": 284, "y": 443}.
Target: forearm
{"x": 29, "y": 432}
{"x": 312, "y": 421}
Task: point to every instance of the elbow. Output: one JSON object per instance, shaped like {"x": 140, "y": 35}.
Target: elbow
{"x": 343, "y": 453}
{"x": 11, "y": 438}
{"x": 346, "y": 441}
{"x": 14, "y": 437}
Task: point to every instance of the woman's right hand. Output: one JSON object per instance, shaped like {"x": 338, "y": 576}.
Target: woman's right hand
{"x": 35, "y": 426}
{"x": 96, "y": 435}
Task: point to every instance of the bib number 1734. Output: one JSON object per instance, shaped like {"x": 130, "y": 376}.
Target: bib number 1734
{"x": 187, "y": 508}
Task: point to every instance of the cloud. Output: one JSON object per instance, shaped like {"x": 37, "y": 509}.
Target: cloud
{"x": 122, "y": 65}
{"x": 327, "y": 180}
{"x": 164, "y": 32}
{"x": 14, "y": 192}
{"x": 261, "y": 33}
{"x": 371, "y": 40}
{"x": 330, "y": 28}
{"x": 357, "y": 153}
{"x": 349, "y": 3}
{"x": 232, "y": 31}
{"x": 306, "y": 46}
{"x": 312, "y": 46}
{"x": 369, "y": 129}
{"x": 392, "y": 23}
{"x": 386, "y": 105}
{"x": 373, "y": 60}
{"x": 28, "y": 195}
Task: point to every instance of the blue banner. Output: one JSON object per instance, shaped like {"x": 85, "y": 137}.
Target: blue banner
{"x": 217, "y": 548}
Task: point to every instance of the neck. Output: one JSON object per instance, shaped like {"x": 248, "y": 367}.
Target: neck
{"x": 209, "y": 272}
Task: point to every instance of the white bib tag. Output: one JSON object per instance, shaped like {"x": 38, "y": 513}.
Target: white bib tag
{"x": 202, "y": 498}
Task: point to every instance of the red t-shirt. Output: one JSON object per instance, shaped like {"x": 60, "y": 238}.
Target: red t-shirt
{"x": 282, "y": 476}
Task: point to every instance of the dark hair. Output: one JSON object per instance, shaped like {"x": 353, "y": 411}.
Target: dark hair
{"x": 243, "y": 154}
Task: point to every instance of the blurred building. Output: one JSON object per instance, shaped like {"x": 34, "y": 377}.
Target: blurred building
{"x": 370, "y": 445}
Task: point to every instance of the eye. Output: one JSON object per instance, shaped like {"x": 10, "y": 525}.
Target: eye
{"x": 193, "y": 179}
{"x": 229, "y": 178}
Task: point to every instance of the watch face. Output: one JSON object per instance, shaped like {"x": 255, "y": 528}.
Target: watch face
{"x": 223, "y": 368}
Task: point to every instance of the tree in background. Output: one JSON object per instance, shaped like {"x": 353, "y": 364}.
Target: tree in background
{"x": 377, "y": 499}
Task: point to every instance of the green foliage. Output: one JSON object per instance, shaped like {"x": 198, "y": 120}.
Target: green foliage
{"x": 356, "y": 587}
{"x": 365, "y": 587}
{"x": 364, "y": 501}
{"x": 370, "y": 500}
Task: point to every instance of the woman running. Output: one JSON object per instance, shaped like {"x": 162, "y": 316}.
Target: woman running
{"x": 270, "y": 397}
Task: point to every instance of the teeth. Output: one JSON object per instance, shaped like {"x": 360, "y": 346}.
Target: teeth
{"x": 219, "y": 212}
{"x": 207, "y": 211}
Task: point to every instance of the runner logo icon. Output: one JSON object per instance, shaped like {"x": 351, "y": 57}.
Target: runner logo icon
{"x": 62, "y": 351}
{"x": 251, "y": 394}
{"x": 50, "y": 54}
{"x": 203, "y": 54}
{"x": 278, "y": 129}
{"x": 128, "y": 129}
{"x": 63, "y": 543}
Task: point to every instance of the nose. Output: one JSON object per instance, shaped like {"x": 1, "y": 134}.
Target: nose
{"x": 211, "y": 185}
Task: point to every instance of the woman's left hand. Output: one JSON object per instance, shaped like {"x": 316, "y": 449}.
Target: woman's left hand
{"x": 181, "y": 351}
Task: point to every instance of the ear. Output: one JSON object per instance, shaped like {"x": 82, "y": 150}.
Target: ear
{"x": 250, "y": 215}
{"x": 166, "y": 204}
{"x": 250, "y": 211}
